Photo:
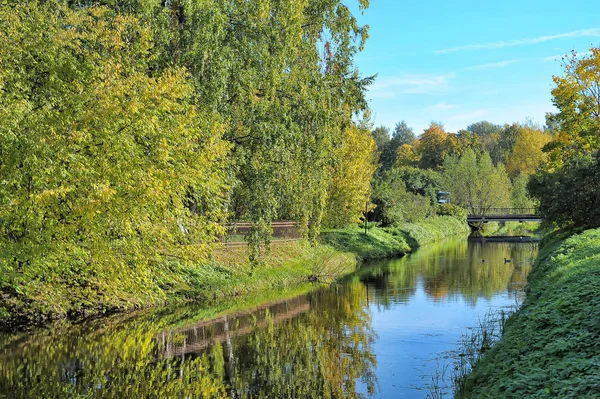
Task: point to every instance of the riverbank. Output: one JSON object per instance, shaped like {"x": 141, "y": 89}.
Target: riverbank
{"x": 512, "y": 229}
{"x": 227, "y": 275}
{"x": 550, "y": 345}
{"x": 388, "y": 242}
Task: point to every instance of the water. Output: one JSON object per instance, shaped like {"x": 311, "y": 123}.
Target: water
{"x": 382, "y": 333}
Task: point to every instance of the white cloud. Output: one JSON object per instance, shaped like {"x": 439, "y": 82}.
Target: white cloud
{"x": 593, "y": 32}
{"x": 492, "y": 65}
{"x": 391, "y": 86}
{"x": 559, "y": 57}
{"x": 443, "y": 106}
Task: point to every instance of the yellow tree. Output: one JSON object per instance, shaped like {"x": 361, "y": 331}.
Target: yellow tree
{"x": 432, "y": 146}
{"x": 577, "y": 96}
{"x": 527, "y": 153}
{"x": 350, "y": 185}
{"x": 406, "y": 156}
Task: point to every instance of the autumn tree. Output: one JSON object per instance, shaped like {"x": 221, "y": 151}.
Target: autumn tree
{"x": 350, "y": 185}
{"x": 567, "y": 186}
{"x": 432, "y": 146}
{"x": 527, "y": 152}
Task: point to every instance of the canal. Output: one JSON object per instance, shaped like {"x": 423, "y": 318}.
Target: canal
{"x": 391, "y": 330}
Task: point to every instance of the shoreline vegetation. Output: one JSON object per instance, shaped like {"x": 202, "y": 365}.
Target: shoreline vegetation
{"x": 229, "y": 275}
{"x": 549, "y": 346}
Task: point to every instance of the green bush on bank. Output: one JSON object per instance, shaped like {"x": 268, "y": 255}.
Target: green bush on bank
{"x": 550, "y": 346}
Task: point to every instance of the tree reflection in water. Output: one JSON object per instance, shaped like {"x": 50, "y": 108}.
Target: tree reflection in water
{"x": 467, "y": 269}
{"x": 318, "y": 345}
{"x": 315, "y": 345}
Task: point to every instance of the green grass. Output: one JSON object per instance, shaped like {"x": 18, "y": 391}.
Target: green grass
{"x": 550, "y": 347}
{"x": 433, "y": 229}
{"x": 393, "y": 241}
{"x": 377, "y": 243}
{"x": 227, "y": 276}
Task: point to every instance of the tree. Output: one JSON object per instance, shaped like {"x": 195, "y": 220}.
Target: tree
{"x": 567, "y": 186}
{"x": 395, "y": 204}
{"x": 381, "y": 135}
{"x": 349, "y": 187}
{"x": 519, "y": 196}
{"x": 475, "y": 183}
{"x": 402, "y": 135}
{"x": 527, "y": 152}
{"x": 107, "y": 169}
{"x": 432, "y": 146}
{"x": 489, "y": 135}
{"x": 406, "y": 156}
{"x": 577, "y": 97}
{"x": 570, "y": 196}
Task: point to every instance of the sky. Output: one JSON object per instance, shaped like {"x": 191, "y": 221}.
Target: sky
{"x": 458, "y": 62}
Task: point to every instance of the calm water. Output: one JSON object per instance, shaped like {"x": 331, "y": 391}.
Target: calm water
{"x": 382, "y": 333}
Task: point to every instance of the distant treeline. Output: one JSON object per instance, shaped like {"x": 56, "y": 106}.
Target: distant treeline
{"x": 555, "y": 167}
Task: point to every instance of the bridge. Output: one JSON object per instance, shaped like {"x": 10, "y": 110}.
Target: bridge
{"x": 503, "y": 215}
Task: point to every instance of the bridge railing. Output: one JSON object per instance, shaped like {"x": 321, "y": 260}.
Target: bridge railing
{"x": 499, "y": 212}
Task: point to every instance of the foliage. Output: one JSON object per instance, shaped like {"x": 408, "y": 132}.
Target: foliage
{"x": 432, "y": 147}
{"x": 349, "y": 188}
{"x": 424, "y": 182}
{"x": 527, "y": 152}
{"x": 519, "y": 196}
{"x": 394, "y": 204}
{"x": 475, "y": 183}
{"x": 377, "y": 243}
{"x": 570, "y": 196}
{"x": 401, "y": 136}
{"x": 549, "y": 346}
{"x": 108, "y": 172}
{"x": 381, "y": 135}
{"x": 451, "y": 210}
{"x": 576, "y": 96}
{"x": 566, "y": 186}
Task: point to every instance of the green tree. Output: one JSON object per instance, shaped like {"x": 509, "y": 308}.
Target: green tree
{"x": 401, "y": 135}
{"x": 570, "y": 196}
{"x": 394, "y": 204}
{"x": 475, "y": 183}
{"x": 108, "y": 171}
{"x": 381, "y": 135}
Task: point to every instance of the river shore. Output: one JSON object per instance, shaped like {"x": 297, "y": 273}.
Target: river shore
{"x": 550, "y": 345}
{"x": 228, "y": 274}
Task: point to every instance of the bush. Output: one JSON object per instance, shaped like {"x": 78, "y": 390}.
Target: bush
{"x": 570, "y": 196}
{"x": 451, "y": 210}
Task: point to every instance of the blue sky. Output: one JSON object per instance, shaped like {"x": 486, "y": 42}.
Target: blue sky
{"x": 459, "y": 62}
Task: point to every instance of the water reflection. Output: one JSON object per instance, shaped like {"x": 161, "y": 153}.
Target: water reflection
{"x": 467, "y": 269}
{"x": 346, "y": 341}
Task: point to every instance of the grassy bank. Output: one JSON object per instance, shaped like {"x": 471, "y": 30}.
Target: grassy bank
{"x": 393, "y": 241}
{"x": 550, "y": 346}
{"x": 227, "y": 275}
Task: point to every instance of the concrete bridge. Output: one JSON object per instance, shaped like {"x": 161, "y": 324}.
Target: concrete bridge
{"x": 503, "y": 215}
